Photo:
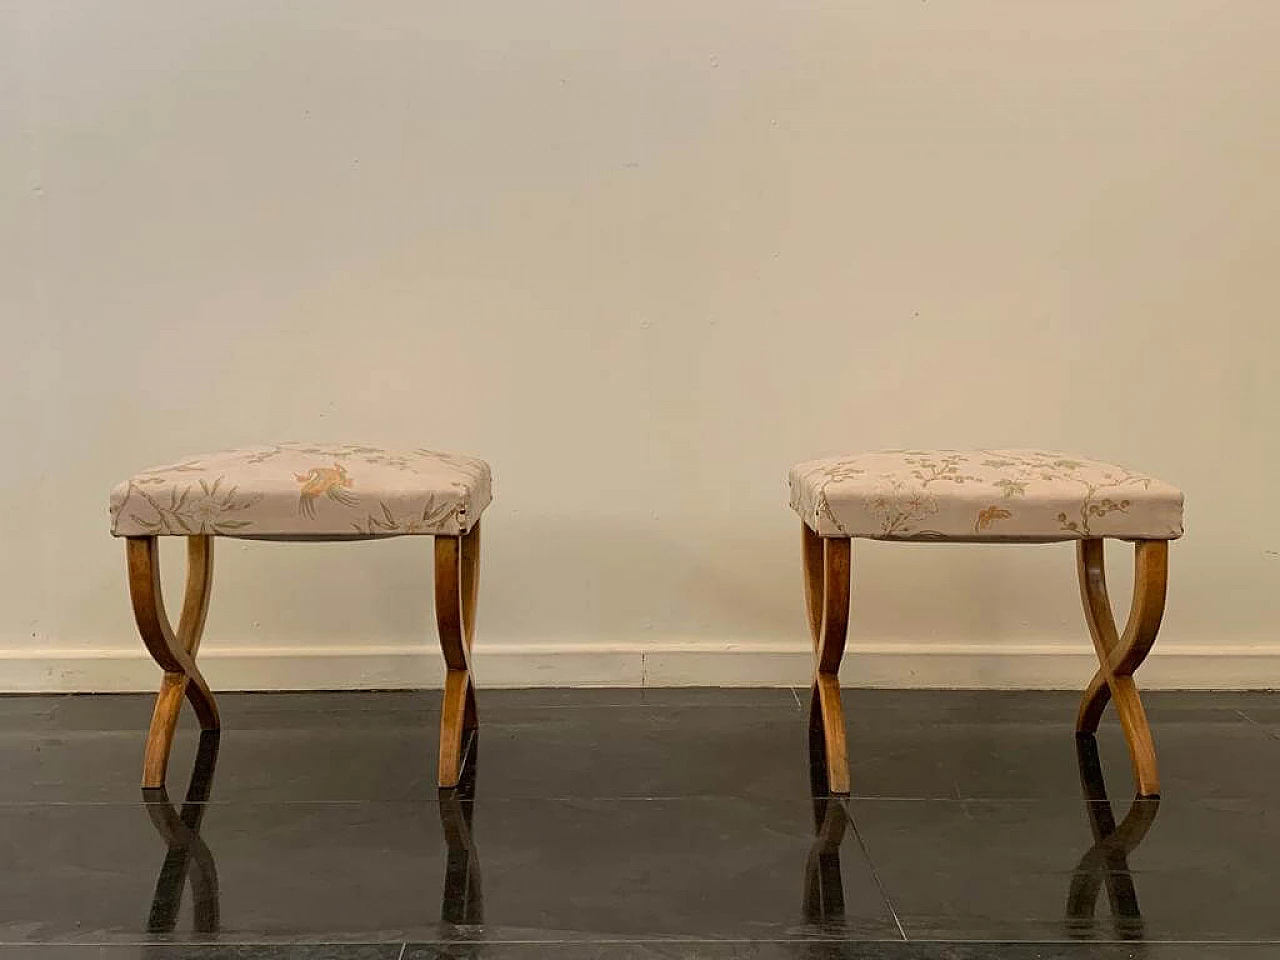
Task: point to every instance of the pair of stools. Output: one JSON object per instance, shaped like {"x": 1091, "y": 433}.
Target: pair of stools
{"x": 298, "y": 491}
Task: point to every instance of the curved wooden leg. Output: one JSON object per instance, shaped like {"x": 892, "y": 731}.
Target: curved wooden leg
{"x": 826, "y": 576}
{"x": 470, "y": 573}
{"x": 1119, "y": 655}
{"x": 175, "y": 653}
{"x": 457, "y": 576}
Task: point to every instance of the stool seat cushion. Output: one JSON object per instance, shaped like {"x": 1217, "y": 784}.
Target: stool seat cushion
{"x": 305, "y": 491}
{"x": 982, "y": 495}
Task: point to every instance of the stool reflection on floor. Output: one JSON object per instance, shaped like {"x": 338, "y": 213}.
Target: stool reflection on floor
{"x": 301, "y": 492}
{"x": 989, "y": 496}
{"x": 189, "y": 859}
{"x": 462, "y": 899}
{"x": 823, "y": 878}
{"x": 1106, "y": 863}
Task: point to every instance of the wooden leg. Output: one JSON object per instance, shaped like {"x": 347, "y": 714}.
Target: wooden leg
{"x": 457, "y": 583}
{"x": 826, "y": 576}
{"x": 1119, "y": 655}
{"x": 175, "y": 654}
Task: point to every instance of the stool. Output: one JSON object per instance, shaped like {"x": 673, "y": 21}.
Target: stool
{"x": 306, "y": 492}
{"x": 989, "y": 496}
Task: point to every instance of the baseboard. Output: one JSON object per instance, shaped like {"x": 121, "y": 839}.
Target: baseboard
{"x": 889, "y": 664}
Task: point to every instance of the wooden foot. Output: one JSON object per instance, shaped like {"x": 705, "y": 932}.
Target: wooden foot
{"x": 1119, "y": 655}
{"x": 826, "y": 581}
{"x": 175, "y": 654}
{"x": 457, "y": 584}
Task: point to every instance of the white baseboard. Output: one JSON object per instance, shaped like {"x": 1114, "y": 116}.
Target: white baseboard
{"x": 897, "y": 664}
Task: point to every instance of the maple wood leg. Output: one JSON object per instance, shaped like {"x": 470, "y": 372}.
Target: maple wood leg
{"x": 176, "y": 654}
{"x": 1119, "y": 655}
{"x": 457, "y": 575}
{"x": 826, "y": 575}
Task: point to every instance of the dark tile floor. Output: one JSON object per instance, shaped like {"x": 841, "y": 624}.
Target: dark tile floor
{"x": 639, "y": 825}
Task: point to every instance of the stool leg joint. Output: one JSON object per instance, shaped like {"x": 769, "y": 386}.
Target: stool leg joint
{"x": 827, "y": 576}
{"x": 457, "y": 575}
{"x": 1120, "y": 654}
{"x": 174, "y": 652}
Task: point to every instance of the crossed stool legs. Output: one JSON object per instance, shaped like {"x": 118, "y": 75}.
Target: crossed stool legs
{"x": 827, "y": 571}
{"x": 1120, "y": 654}
{"x": 826, "y": 589}
{"x": 827, "y": 568}
{"x": 457, "y": 570}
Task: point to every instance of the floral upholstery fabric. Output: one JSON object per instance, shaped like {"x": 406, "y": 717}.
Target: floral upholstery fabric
{"x": 305, "y": 491}
{"x": 982, "y": 495}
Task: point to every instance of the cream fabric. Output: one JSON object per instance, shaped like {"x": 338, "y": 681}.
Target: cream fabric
{"x": 997, "y": 495}
{"x": 305, "y": 491}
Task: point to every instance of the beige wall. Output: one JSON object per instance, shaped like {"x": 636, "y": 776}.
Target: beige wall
{"x": 642, "y": 257}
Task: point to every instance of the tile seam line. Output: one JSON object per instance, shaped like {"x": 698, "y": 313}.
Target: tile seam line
{"x": 50, "y": 944}
{"x": 1253, "y": 722}
{"x": 808, "y": 941}
{"x": 875, "y": 875}
{"x": 541, "y": 798}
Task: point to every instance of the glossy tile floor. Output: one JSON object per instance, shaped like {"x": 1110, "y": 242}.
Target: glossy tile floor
{"x": 635, "y": 825}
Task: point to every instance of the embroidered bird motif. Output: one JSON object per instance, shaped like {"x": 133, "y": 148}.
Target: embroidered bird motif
{"x": 989, "y": 516}
{"x": 332, "y": 482}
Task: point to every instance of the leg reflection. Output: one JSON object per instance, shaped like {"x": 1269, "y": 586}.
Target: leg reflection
{"x": 1107, "y": 861}
{"x": 463, "y": 900}
{"x": 181, "y": 832}
{"x": 823, "y": 887}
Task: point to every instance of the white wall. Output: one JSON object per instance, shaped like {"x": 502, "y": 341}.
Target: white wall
{"x": 642, "y": 257}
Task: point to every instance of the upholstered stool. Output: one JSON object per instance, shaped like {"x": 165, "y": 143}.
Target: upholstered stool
{"x": 989, "y": 496}
{"x": 298, "y": 491}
